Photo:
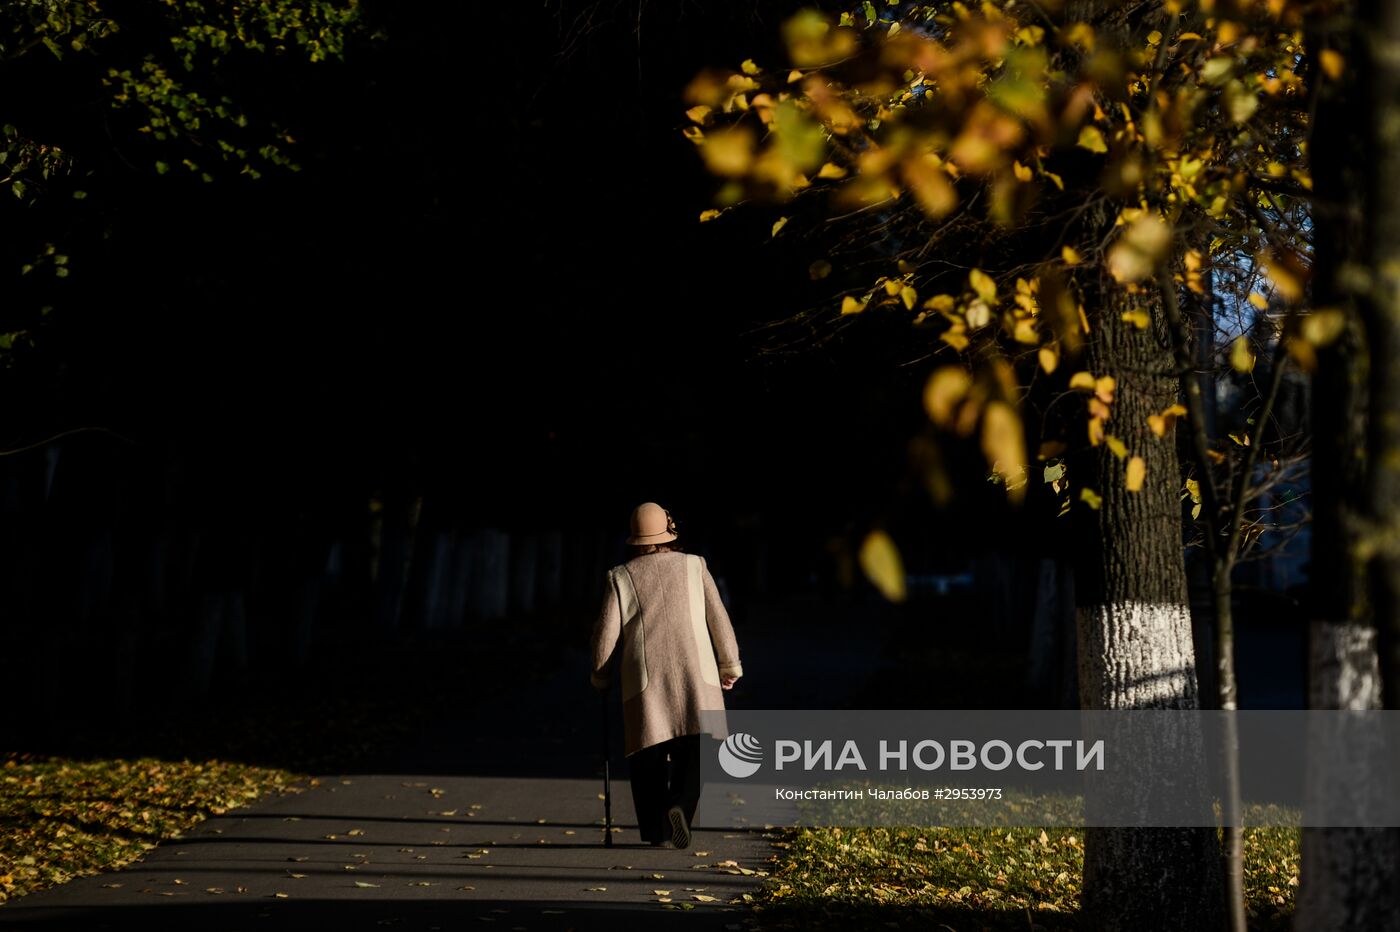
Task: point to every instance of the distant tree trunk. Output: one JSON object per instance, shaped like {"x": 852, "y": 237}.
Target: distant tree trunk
{"x": 1134, "y": 621}
{"x": 1132, "y": 611}
{"x": 1348, "y": 874}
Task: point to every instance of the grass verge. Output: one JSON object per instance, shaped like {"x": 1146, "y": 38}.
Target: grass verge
{"x": 972, "y": 879}
{"x": 61, "y": 818}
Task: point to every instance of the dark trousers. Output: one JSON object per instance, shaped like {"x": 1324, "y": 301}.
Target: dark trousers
{"x": 665, "y": 775}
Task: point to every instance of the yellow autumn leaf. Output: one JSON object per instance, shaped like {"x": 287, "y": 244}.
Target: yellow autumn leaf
{"x": 929, "y": 182}
{"x": 1259, "y": 301}
{"x": 1138, "y": 318}
{"x": 1071, "y": 255}
{"x": 1104, "y": 387}
{"x": 1323, "y": 326}
{"x": 1049, "y": 358}
{"x": 1286, "y": 274}
{"x": 1082, "y": 380}
{"x": 831, "y": 170}
{"x": 1022, "y": 172}
{"x": 1091, "y": 498}
{"x": 1024, "y": 331}
{"x": 880, "y": 561}
{"x": 708, "y": 215}
{"x": 1117, "y": 446}
{"x": 955, "y": 338}
{"x": 779, "y": 224}
{"x": 1137, "y": 470}
{"x": 909, "y": 296}
{"x": 698, "y": 113}
{"x": 1004, "y": 445}
{"x": 1242, "y": 355}
{"x": 1134, "y": 256}
{"x": 984, "y": 286}
{"x": 850, "y": 305}
{"x": 1090, "y": 138}
{"x": 945, "y": 389}
{"x": 728, "y": 152}
{"x": 1161, "y": 423}
{"x": 1333, "y": 64}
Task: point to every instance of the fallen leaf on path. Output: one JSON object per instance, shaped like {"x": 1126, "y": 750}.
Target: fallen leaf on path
{"x": 594, "y": 889}
{"x": 361, "y": 883}
{"x": 705, "y": 899}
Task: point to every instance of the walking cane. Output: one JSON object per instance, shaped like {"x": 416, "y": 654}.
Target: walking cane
{"x": 607, "y": 777}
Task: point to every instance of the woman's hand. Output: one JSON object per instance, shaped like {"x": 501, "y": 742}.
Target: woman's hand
{"x": 727, "y": 682}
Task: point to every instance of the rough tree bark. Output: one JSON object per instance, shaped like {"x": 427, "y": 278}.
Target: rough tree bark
{"x": 1132, "y": 611}
{"x": 1134, "y": 622}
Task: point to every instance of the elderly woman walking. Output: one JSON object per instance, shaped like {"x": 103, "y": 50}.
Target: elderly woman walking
{"x": 678, "y": 653}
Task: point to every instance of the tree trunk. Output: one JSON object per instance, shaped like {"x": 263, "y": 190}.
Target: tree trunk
{"x": 1348, "y": 874}
{"x": 1134, "y": 622}
{"x": 1380, "y": 316}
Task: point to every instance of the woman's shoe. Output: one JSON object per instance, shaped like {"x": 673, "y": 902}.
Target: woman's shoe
{"x": 680, "y": 829}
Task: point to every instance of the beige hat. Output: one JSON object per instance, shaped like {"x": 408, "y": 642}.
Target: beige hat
{"x": 651, "y": 524}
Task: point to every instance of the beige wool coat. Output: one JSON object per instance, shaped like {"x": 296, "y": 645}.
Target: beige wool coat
{"x": 663, "y": 611}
